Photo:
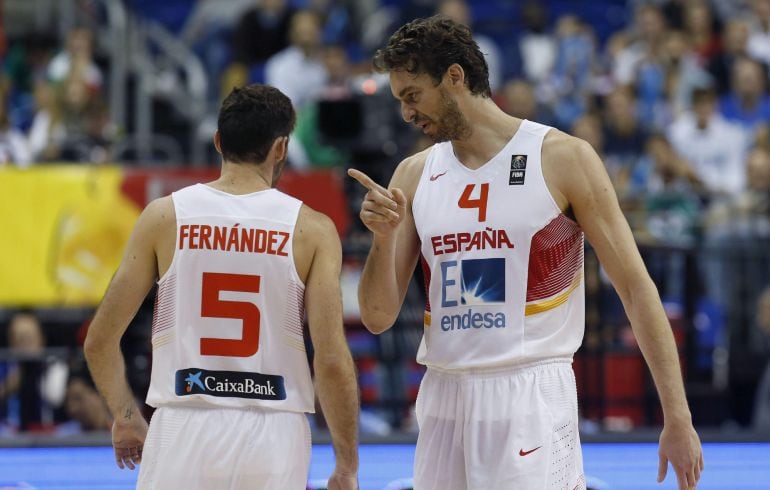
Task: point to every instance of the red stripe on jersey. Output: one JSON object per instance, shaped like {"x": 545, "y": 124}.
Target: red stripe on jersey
{"x": 555, "y": 256}
{"x": 426, "y": 281}
{"x": 163, "y": 315}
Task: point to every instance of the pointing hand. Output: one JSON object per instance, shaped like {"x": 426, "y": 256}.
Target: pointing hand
{"x": 382, "y": 209}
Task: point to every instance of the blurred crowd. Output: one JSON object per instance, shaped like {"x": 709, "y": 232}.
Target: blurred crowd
{"x": 672, "y": 94}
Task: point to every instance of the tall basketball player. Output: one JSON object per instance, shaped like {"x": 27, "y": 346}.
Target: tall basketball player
{"x": 238, "y": 264}
{"x": 497, "y": 210}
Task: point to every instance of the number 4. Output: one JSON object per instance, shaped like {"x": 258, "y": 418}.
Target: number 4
{"x": 466, "y": 202}
{"x": 213, "y": 307}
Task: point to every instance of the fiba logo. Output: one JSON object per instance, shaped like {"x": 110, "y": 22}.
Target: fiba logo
{"x": 518, "y": 162}
{"x": 518, "y": 170}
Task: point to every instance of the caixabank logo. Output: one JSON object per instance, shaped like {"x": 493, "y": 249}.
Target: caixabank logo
{"x": 195, "y": 381}
{"x": 472, "y": 282}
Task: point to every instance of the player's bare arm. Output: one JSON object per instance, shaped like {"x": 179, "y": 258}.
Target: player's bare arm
{"x": 318, "y": 255}
{"x": 579, "y": 183}
{"x": 387, "y": 213}
{"x": 125, "y": 294}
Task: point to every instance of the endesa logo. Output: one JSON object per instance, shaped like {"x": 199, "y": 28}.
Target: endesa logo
{"x": 194, "y": 381}
{"x": 472, "y": 282}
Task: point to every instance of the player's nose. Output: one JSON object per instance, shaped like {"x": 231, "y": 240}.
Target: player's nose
{"x": 407, "y": 113}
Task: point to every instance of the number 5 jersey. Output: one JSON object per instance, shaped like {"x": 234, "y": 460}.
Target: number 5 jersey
{"x": 227, "y": 326}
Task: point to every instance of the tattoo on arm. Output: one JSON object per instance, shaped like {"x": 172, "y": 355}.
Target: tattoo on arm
{"x": 128, "y": 413}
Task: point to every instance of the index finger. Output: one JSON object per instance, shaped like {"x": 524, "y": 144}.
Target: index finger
{"x": 365, "y": 180}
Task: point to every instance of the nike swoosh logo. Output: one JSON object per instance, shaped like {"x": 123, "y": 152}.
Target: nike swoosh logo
{"x": 434, "y": 177}
{"x": 524, "y": 453}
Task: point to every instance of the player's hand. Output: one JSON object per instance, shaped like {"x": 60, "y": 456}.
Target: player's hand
{"x": 128, "y": 436}
{"x": 342, "y": 481}
{"x": 680, "y": 445}
{"x": 382, "y": 209}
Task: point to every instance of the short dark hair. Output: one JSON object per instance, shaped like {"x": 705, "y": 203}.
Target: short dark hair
{"x": 250, "y": 120}
{"x": 430, "y": 46}
{"x": 703, "y": 94}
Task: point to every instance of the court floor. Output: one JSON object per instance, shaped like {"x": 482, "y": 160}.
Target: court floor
{"x": 609, "y": 466}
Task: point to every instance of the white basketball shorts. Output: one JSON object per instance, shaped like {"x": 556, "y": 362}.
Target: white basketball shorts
{"x": 225, "y": 448}
{"x": 515, "y": 428}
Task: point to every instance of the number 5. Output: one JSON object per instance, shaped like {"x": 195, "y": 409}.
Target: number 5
{"x": 213, "y": 307}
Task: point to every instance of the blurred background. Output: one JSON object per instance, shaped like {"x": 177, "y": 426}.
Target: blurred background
{"x": 108, "y": 104}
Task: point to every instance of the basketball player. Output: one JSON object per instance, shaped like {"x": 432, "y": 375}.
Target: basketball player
{"x": 497, "y": 209}
{"x": 239, "y": 262}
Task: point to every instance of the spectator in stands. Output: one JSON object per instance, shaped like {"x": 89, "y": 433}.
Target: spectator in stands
{"x": 261, "y": 32}
{"x": 518, "y": 99}
{"x": 208, "y": 31}
{"x": 624, "y": 136}
{"x": 84, "y": 118}
{"x": 700, "y": 28}
{"x": 648, "y": 33}
{"x": 666, "y": 189}
{"x": 26, "y": 62}
{"x": 747, "y": 103}
{"x": 298, "y": 70}
{"x": 715, "y": 147}
{"x": 46, "y": 136}
{"x": 78, "y": 56}
{"x": 308, "y": 148}
{"x": 85, "y": 407}
{"x": 459, "y": 11}
{"x": 759, "y": 38}
{"x": 569, "y": 86}
{"x": 747, "y": 213}
{"x": 14, "y": 149}
{"x": 665, "y": 82}
{"x": 20, "y": 387}
{"x": 536, "y": 46}
{"x": 734, "y": 47}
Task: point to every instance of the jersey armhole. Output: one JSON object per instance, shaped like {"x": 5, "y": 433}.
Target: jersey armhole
{"x": 421, "y": 182}
{"x": 541, "y": 179}
{"x": 293, "y": 264}
{"x": 172, "y": 264}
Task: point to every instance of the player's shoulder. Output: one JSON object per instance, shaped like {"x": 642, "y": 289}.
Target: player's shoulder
{"x": 160, "y": 210}
{"x": 561, "y": 146}
{"x": 314, "y": 225}
{"x": 408, "y": 172}
{"x": 414, "y": 164}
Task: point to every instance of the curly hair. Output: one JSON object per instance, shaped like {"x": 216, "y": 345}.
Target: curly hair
{"x": 430, "y": 46}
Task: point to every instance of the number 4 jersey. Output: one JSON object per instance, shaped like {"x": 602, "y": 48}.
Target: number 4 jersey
{"x": 503, "y": 266}
{"x": 227, "y": 327}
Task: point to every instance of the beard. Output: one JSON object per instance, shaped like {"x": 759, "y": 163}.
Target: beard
{"x": 450, "y": 123}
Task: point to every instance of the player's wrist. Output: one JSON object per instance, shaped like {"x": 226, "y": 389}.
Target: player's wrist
{"x": 384, "y": 240}
{"x": 346, "y": 468}
{"x": 679, "y": 418}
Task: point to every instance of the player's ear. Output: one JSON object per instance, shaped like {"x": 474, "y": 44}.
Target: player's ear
{"x": 455, "y": 75}
{"x": 217, "y": 142}
{"x": 280, "y": 148}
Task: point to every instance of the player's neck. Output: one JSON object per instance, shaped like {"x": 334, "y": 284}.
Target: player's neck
{"x": 244, "y": 178}
{"x": 492, "y": 129}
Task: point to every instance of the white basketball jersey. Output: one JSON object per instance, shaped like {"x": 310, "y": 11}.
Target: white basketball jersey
{"x": 503, "y": 266}
{"x": 227, "y": 328}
